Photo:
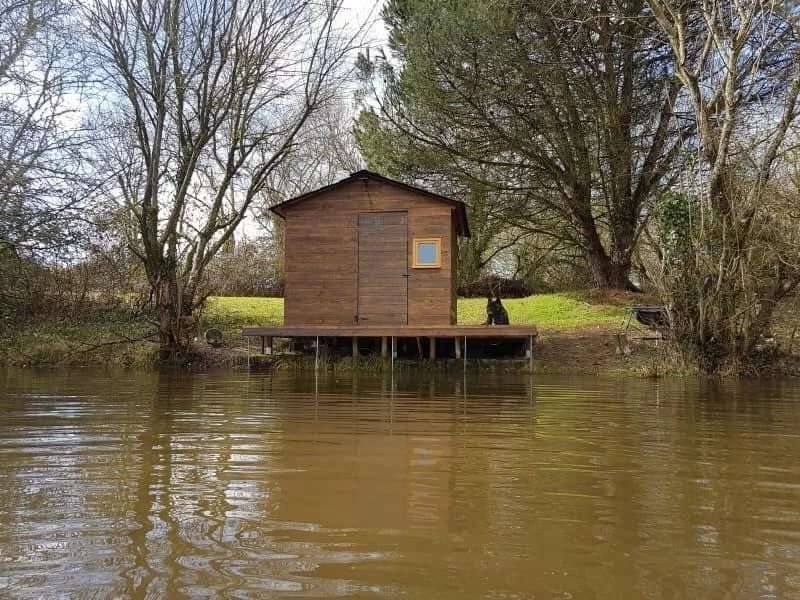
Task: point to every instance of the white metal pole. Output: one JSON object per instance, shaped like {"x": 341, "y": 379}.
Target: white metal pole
{"x": 316, "y": 356}
{"x": 465, "y": 375}
{"x": 530, "y": 353}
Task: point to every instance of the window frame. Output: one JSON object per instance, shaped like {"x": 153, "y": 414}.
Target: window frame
{"x": 416, "y": 243}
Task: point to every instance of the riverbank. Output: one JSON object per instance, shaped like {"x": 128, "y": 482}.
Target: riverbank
{"x": 578, "y": 334}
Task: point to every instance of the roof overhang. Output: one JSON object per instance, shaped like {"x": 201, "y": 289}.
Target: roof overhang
{"x": 365, "y": 176}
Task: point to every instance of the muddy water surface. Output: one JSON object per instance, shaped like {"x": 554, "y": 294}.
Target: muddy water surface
{"x": 238, "y": 485}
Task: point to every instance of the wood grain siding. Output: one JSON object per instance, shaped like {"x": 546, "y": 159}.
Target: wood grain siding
{"x": 429, "y": 290}
{"x": 322, "y": 267}
{"x": 453, "y": 272}
{"x": 382, "y": 268}
{"x": 470, "y": 331}
{"x": 321, "y": 275}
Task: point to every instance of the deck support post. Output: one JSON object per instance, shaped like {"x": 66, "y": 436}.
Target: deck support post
{"x": 394, "y": 354}
{"x": 391, "y": 385}
{"x": 465, "y": 361}
{"x": 430, "y": 335}
{"x": 529, "y": 352}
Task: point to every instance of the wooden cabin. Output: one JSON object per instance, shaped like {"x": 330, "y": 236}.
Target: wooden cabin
{"x": 368, "y": 251}
{"x": 370, "y": 257}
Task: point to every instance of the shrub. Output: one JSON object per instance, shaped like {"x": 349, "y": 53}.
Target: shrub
{"x": 488, "y": 286}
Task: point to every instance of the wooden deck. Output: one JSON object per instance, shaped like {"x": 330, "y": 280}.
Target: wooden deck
{"x": 458, "y": 334}
{"x": 401, "y": 331}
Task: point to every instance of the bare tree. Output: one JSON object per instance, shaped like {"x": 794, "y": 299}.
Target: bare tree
{"x": 42, "y": 180}
{"x": 737, "y": 51}
{"x": 737, "y": 258}
{"x": 325, "y": 152}
{"x": 207, "y": 99}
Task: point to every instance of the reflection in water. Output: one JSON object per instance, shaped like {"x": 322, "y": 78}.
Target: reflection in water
{"x": 172, "y": 485}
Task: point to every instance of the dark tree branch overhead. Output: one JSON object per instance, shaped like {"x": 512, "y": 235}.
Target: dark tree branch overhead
{"x": 569, "y": 107}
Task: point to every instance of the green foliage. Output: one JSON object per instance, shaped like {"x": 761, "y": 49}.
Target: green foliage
{"x": 724, "y": 272}
{"x": 375, "y": 141}
{"x": 42, "y": 349}
{"x": 112, "y": 336}
{"x": 388, "y": 152}
{"x": 546, "y": 106}
{"x": 392, "y": 149}
{"x": 676, "y": 212}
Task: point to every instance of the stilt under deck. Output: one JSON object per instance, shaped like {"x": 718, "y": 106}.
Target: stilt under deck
{"x": 460, "y": 334}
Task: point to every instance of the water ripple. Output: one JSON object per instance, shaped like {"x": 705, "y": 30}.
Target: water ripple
{"x": 238, "y": 485}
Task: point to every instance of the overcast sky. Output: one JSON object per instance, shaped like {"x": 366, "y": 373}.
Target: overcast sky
{"x": 358, "y": 11}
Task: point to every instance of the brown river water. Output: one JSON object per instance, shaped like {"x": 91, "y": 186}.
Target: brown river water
{"x": 148, "y": 485}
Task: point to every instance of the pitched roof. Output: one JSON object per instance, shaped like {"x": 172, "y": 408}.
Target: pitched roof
{"x": 364, "y": 175}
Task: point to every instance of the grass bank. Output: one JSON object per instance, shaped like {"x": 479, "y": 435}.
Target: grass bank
{"x": 576, "y": 332}
{"x": 549, "y": 312}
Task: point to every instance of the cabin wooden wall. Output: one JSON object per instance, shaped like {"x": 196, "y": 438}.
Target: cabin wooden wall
{"x": 320, "y": 258}
{"x": 429, "y": 290}
{"x": 321, "y": 255}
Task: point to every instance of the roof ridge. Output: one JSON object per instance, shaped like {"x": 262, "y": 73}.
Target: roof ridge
{"x": 367, "y": 174}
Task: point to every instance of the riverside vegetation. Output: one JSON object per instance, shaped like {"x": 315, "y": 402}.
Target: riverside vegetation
{"x": 120, "y": 336}
{"x": 577, "y": 334}
{"x": 645, "y": 146}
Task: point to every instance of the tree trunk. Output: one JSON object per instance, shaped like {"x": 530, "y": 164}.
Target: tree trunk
{"x": 610, "y": 271}
{"x": 176, "y": 326}
{"x": 762, "y": 324}
{"x": 607, "y": 272}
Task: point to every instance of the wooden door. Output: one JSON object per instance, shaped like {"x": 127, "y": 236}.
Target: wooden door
{"x": 383, "y": 268}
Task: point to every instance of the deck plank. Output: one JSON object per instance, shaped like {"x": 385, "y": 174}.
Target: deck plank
{"x": 470, "y": 331}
